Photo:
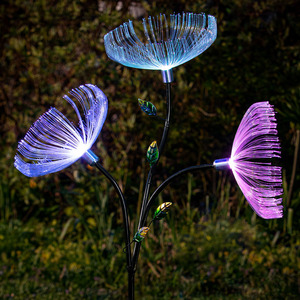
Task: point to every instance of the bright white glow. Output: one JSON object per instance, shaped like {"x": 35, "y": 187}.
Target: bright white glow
{"x": 53, "y": 142}
{"x": 166, "y": 68}
{"x": 231, "y": 163}
{"x": 80, "y": 150}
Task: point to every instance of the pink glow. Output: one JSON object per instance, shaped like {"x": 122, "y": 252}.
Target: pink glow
{"x": 255, "y": 142}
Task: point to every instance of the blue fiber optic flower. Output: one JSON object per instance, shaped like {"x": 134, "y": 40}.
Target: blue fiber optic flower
{"x": 53, "y": 142}
{"x": 166, "y": 45}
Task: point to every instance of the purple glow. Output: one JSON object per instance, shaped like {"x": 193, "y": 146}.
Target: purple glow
{"x": 260, "y": 181}
{"x": 53, "y": 142}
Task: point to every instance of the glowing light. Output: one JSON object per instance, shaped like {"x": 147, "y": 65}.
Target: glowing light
{"x": 231, "y": 163}
{"x": 53, "y": 142}
{"x": 80, "y": 150}
{"x": 255, "y": 143}
{"x": 167, "y": 45}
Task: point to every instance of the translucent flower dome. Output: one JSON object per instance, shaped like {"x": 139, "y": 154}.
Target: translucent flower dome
{"x": 255, "y": 145}
{"x": 53, "y": 142}
{"x": 165, "y": 44}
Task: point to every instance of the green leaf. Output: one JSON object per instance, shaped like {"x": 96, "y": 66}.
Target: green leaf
{"x": 147, "y": 107}
{"x": 162, "y": 211}
{"x": 140, "y": 234}
{"x": 152, "y": 153}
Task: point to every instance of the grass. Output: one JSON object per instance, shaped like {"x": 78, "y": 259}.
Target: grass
{"x": 204, "y": 249}
{"x": 209, "y": 259}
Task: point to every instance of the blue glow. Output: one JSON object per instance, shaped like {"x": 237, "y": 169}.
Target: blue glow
{"x": 222, "y": 164}
{"x": 53, "y": 142}
{"x": 167, "y": 45}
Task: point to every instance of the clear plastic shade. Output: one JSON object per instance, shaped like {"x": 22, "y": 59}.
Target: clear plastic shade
{"x": 53, "y": 142}
{"x": 167, "y": 44}
{"x": 255, "y": 146}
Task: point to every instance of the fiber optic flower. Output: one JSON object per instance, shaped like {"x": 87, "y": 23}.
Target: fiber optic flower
{"x": 255, "y": 143}
{"x": 53, "y": 142}
{"x": 166, "y": 45}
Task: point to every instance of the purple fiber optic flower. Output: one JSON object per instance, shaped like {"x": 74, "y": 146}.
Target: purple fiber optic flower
{"x": 53, "y": 142}
{"x": 256, "y": 140}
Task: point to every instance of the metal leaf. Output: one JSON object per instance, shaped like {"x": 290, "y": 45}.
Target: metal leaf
{"x": 140, "y": 234}
{"x": 147, "y": 107}
{"x": 152, "y": 153}
{"x": 162, "y": 211}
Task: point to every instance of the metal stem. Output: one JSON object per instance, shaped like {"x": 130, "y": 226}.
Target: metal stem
{"x": 130, "y": 268}
{"x": 167, "y": 120}
{"x": 168, "y": 181}
{"x": 163, "y": 141}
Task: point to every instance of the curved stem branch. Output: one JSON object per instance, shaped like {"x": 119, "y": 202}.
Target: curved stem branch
{"x": 167, "y": 182}
{"x": 127, "y": 232}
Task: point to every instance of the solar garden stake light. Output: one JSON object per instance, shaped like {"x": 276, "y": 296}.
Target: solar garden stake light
{"x": 53, "y": 142}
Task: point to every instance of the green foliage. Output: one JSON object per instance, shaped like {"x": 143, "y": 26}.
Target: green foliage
{"x": 73, "y": 217}
{"x": 209, "y": 260}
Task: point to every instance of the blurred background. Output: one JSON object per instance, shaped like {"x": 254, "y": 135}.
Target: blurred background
{"x": 61, "y": 235}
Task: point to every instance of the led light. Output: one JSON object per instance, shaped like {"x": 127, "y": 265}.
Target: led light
{"x": 255, "y": 143}
{"x": 168, "y": 44}
{"x": 53, "y": 142}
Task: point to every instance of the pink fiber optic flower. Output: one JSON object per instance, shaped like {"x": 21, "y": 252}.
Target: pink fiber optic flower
{"x": 255, "y": 144}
